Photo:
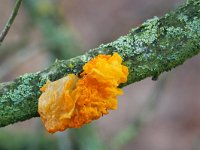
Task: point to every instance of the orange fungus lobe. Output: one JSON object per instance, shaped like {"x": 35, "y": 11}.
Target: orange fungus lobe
{"x": 71, "y": 102}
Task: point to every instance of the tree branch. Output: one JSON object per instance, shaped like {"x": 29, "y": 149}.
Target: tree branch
{"x": 10, "y": 21}
{"x": 156, "y": 46}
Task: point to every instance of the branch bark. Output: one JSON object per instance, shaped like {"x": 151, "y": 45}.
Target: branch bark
{"x": 156, "y": 46}
{"x": 10, "y": 21}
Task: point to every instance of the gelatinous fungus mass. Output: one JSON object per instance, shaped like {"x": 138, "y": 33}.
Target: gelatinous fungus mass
{"x": 71, "y": 102}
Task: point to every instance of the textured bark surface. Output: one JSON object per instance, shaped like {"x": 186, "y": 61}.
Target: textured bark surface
{"x": 156, "y": 46}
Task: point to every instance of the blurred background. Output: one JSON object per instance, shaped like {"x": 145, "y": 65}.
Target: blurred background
{"x": 151, "y": 115}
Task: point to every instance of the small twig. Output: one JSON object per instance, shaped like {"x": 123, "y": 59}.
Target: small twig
{"x": 10, "y": 21}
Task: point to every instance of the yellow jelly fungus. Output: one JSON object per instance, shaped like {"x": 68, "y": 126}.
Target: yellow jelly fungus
{"x": 71, "y": 102}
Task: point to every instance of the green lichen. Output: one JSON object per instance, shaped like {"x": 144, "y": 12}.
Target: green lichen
{"x": 183, "y": 18}
{"x": 71, "y": 66}
{"x": 175, "y": 32}
{"x": 149, "y": 32}
{"x": 192, "y": 1}
{"x": 22, "y": 91}
{"x": 193, "y": 27}
{"x": 124, "y": 45}
{"x": 23, "y": 94}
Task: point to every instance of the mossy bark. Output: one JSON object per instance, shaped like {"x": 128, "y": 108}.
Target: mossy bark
{"x": 156, "y": 46}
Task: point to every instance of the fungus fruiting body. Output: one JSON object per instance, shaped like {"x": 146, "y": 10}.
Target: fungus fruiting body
{"x": 71, "y": 102}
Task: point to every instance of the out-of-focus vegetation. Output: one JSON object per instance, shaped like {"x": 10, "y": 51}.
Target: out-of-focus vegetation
{"x": 19, "y": 140}
{"x": 76, "y": 139}
{"x": 57, "y": 37}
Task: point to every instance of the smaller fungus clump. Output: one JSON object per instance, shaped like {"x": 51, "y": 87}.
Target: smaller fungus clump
{"x": 71, "y": 102}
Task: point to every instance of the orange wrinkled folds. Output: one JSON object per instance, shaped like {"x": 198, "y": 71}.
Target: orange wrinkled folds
{"x": 72, "y": 102}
